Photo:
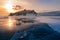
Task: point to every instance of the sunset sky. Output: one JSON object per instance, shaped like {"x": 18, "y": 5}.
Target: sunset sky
{"x": 38, "y": 5}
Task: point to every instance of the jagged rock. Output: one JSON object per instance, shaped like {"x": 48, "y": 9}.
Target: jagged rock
{"x": 23, "y": 12}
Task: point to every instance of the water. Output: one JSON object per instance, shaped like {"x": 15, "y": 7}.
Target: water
{"x": 7, "y": 28}
{"x": 53, "y": 21}
{"x": 8, "y": 25}
{"x": 7, "y": 22}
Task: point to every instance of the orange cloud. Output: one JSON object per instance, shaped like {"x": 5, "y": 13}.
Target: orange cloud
{"x": 17, "y": 7}
{"x": 3, "y": 11}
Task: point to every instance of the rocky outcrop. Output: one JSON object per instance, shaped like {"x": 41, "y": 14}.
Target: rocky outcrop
{"x": 23, "y": 12}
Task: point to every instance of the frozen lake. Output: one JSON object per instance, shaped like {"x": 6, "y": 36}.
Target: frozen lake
{"x": 8, "y": 25}
{"x": 53, "y": 21}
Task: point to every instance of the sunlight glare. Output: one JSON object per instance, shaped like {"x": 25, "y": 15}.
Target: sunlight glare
{"x": 10, "y": 23}
{"x": 9, "y": 8}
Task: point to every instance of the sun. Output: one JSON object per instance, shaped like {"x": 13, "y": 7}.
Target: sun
{"x": 9, "y": 8}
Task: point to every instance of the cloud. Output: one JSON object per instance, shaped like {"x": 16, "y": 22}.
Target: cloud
{"x": 38, "y": 5}
{"x": 17, "y": 7}
{"x": 44, "y": 5}
{"x": 2, "y": 2}
{"x": 3, "y": 11}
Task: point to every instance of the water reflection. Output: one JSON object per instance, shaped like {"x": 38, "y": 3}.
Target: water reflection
{"x": 8, "y": 24}
{"x": 11, "y": 23}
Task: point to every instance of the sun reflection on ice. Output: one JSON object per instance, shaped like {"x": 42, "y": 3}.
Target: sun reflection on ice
{"x": 11, "y": 23}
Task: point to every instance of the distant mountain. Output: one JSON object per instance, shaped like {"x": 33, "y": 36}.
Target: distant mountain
{"x": 23, "y": 12}
{"x": 41, "y": 31}
{"x": 53, "y": 13}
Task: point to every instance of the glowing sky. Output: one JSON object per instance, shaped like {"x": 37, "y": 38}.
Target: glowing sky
{"x": 38, "y": 5}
